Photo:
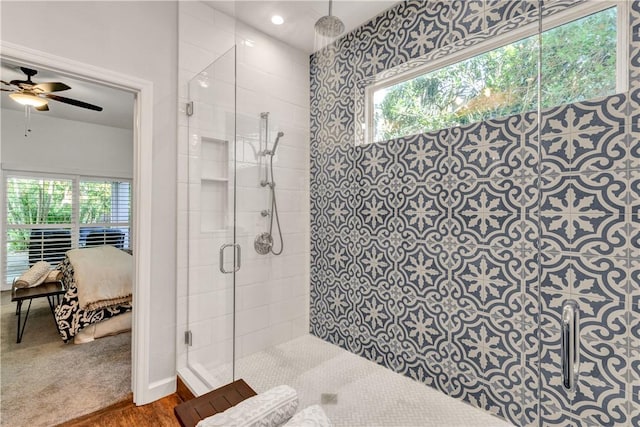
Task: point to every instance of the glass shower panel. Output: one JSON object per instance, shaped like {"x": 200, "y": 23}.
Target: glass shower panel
{"x": 213, "y": 255}
{"x": 588, "y": 353}
{"x": 257, "y": 231}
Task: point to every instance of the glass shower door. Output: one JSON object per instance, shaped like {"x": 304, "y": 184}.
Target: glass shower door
{"x": 589, "y": 345}
{"x": 214, "y": 256}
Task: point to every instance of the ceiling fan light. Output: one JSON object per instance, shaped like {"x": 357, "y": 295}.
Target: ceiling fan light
{"x": 27, "y": 99}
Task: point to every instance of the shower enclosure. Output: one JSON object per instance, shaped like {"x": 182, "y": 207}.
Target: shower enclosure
{"x": 214, "y": 255}
{"x": 248, "y": 267}
{"x": 495, "y": 260}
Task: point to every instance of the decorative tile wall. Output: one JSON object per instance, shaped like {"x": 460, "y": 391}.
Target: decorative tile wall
{"x": 425, "y": 249}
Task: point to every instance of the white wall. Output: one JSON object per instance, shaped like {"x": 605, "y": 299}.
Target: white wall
{"x": 139, "y": 39}
{"x": 272, "y": 291}
{"x": 65, "y": 146}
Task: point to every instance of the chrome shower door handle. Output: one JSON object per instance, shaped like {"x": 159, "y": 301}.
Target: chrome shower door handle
{"x": 238, "y": 258}
{"x": 570, "y": 344}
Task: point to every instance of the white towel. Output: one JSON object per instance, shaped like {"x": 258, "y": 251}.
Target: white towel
{"x": 53, "y": 276}
{"x": 311, "y": 416}
{"x": 33, "y": 276}
{"x": 269, "y": 409}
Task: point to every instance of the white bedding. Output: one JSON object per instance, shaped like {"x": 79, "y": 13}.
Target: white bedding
{"x": 103, "y": 276}
{"x": 111, "y": 326}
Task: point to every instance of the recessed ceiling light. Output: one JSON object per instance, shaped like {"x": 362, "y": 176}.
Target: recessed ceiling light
{"x": 277, "y": 20}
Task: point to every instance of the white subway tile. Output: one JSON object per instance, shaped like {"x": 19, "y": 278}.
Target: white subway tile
{"x": 279, "y": 333}
{"x": 252, "y": 342}
{"x": 299, "y": 326}
{"x": 197, "y": 9}
{"x": 271, "y": 290}
{"x": 251, "y": 320}
{"x": 258, "y": 271}
{"x": 286, "y": 310}
{"x": 252, "y": 296}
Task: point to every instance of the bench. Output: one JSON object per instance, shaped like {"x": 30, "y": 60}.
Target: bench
{"x": 189, "y": 413}
{"x": 52, "y": 291}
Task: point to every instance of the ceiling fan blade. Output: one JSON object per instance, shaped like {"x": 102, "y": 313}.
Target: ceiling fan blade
{"x": 19, "y": 82}
{"x": 5, "y": 83}
{"x": 74, "y": 102}
{"x": 51, "y": 87}
{"x": 45, "y": 107}
{"x": 7, "y": 90}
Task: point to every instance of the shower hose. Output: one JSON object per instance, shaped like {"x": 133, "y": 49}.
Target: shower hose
{"x": 274, "y": 211}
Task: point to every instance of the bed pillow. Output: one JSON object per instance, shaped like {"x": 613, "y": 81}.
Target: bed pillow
{"x": 312, "y": 416}
{"x": 269, "y": 409}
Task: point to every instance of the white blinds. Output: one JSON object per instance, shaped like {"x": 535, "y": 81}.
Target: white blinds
{"x": 46, "y": 216}
{"x": 104, "y": 213}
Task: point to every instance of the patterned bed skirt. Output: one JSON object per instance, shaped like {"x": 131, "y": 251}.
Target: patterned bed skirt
{"x": 70, "y": 317}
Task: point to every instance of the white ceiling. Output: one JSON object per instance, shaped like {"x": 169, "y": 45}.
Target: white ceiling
{"x": 300, "y": 16}
{"x": 117, "y": 104}
{"x": 298, "y": 31}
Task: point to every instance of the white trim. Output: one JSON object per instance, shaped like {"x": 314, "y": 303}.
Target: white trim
{"x": 159, "y": 389}
{"x": 17, "y": 167}
{"x": 32, "y": 173}
{"x": 3, "y": 238}
{"x": 561, "y": 18}
{"x": 622, "y": 60}
{"x": 193, "y": 382}
{"x": 143, "y": 391}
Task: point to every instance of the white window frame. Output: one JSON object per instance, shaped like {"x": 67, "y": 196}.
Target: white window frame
{"x": 561, "y": 18}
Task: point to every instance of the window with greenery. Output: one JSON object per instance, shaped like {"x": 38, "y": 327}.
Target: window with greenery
{"x": 46, "y": 216}
{"x": 578, "y": 63}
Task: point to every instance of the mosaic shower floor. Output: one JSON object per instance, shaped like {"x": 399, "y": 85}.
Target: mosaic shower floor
{"x": 353, "y": 391}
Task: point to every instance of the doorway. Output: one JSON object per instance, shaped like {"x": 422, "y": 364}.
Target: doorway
{"x": 141, "y": 189}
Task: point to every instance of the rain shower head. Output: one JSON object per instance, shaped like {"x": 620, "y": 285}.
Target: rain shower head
{"x": 329, "y": 26}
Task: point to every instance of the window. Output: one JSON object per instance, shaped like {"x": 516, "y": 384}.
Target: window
{"x": 579, "y": 62}
{"x": 48, "y": 215}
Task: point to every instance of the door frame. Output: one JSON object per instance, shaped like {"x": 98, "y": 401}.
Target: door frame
{"x": 143, "y": 391}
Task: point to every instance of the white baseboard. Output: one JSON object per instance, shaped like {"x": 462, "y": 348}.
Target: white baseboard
{"x": 157, "y": 390}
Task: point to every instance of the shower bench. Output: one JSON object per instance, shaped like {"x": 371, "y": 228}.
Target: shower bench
{"x": 189, "y": 413}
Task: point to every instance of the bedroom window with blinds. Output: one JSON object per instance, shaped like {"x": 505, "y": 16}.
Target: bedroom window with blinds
{"x": 45, "y": 216}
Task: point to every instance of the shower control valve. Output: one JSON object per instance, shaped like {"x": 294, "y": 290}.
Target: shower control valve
{"x": 265, "y": 213}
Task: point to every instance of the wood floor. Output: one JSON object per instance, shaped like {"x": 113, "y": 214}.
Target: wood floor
{"x": 126, "y": 413}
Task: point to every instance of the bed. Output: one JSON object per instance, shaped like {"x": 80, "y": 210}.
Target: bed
{"x": 98, "y": 297}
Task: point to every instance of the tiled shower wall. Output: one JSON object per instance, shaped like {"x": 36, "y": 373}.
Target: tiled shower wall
{"x": 271, "y": 292}
{"x": 424, "y": 249}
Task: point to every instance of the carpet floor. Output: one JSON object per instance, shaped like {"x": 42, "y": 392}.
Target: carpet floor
{"x": 44, "y": 382}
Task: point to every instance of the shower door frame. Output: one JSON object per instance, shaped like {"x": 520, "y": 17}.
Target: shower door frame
{"x": 225, "y": 274}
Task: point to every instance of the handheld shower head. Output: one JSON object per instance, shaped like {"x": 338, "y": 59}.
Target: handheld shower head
{"x": 275, "y": 144}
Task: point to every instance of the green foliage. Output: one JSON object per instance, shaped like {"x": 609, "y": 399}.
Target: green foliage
{"x": 46, "y": 201}
{"x": 95, "y": 203}
{"x": 578, "y": 62}
{"x": 32, "y": 201}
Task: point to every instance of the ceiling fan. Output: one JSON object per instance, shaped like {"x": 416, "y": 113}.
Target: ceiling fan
{"x": 37, "y": 95}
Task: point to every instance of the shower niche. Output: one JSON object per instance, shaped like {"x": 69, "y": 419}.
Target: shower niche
{"x": 214, "y": 184}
